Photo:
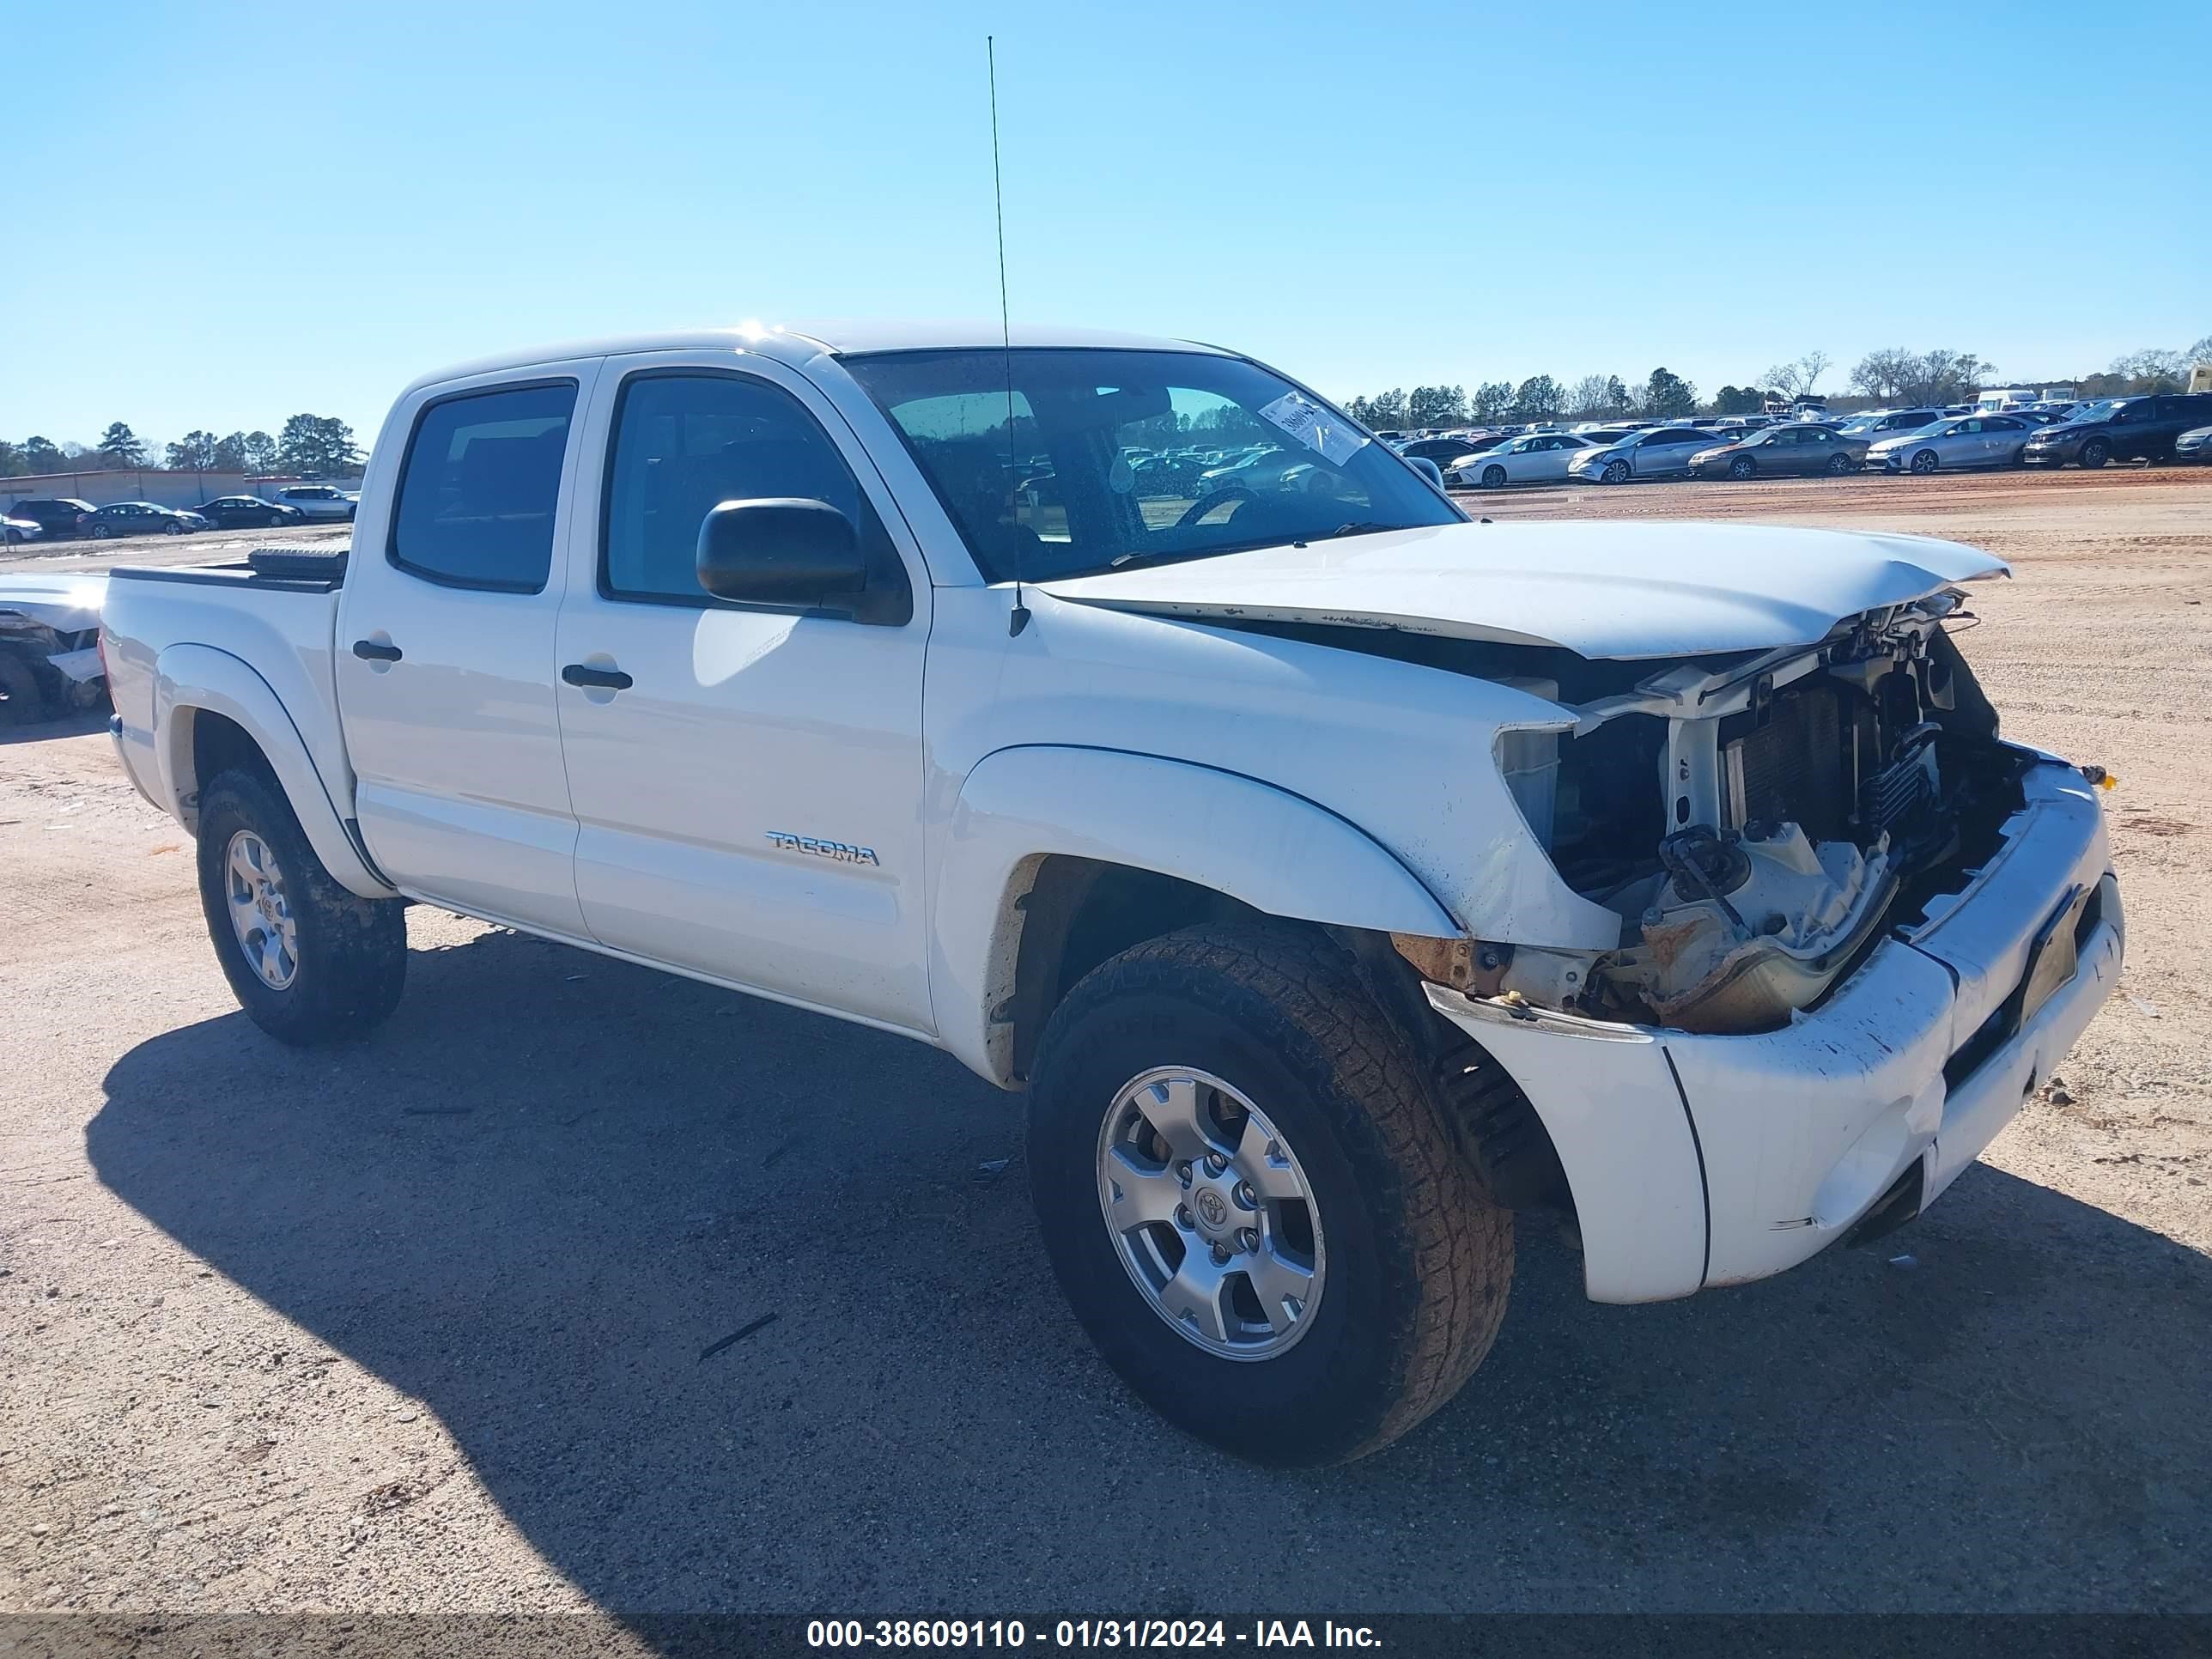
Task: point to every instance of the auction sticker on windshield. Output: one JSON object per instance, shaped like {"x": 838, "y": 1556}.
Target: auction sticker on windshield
{"x": 1314, "y": 427}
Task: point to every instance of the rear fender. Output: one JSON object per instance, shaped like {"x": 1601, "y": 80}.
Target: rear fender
{"x": 191, "y": 678}
{"x": 1264, "y": 847}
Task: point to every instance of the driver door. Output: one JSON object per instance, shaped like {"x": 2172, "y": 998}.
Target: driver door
{"x": 746, "y": 779}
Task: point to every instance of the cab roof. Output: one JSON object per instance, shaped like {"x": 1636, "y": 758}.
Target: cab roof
{"x": 799, "y": 343}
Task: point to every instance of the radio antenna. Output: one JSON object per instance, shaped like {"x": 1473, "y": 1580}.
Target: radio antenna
{"x": 1019, "y": 617}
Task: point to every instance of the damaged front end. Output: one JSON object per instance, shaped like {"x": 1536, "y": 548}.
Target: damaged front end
{"x": 50, "y": 661}
{"x": 1755, "y": 823}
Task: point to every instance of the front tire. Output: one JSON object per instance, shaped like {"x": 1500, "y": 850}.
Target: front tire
{"x": 1925, "y": 462}
{"x": 23, "y": 698}
{"x": 309, "y": 962}
{"x": 1742, "y": 467}
{"x": 1329, "y": 1271}
{"x": 2095, "y": 453}
{"x": 1493, "y": 477}
{"x": 1616, "y": 473}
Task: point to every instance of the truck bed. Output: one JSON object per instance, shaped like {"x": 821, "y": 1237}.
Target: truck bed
{"x": 318, "y": 568}
{"x": 275, "y": 613}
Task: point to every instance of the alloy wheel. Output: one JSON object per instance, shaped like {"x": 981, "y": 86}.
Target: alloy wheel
{"x": 1211, "y": 1214}
{"x": 260, "y": 914}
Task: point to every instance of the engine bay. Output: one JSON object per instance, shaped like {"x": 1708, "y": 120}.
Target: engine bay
{"x": 1756, "y": 824}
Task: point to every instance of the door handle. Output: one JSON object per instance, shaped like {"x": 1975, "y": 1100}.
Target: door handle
{"x": 370, "y": 651}
{"x": 602, "y": 679}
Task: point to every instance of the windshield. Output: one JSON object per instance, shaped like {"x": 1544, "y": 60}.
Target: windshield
{"x": 1069, "y": 492}
{"x": 2102, "y": 408}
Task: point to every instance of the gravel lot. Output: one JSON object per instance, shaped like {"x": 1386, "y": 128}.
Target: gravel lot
{"x": 432, "y": 1323}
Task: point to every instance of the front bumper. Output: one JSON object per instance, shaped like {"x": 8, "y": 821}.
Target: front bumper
{"x": 2048, "y": 455}
{"x": 1698, "y": 1161}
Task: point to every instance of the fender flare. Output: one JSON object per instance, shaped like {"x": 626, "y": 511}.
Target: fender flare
{"x": 188, "y": 679}
{"x": 1265, "y": 847}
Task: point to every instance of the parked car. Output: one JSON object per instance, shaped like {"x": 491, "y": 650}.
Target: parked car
{"x": 13, "y": 531}
{"x": 1887, "y": 423}
{"x": 1315, "y": 961}
{"x": 60, "y": 516}
{"x": 315, "y": 500}
{"x": 2194, "y": 444}
{"x": 1446, "y": 451}
{"x": 48, "y": 645}
{"x": 1266, "y": 470}
{"x": 1965, "y": 441}
{"x": 1538, "y": 458}
{"x": 247, "y": 511}
{"x": 142, "y": 519}
{"x": 1655, "y": 453}
{"x": 2120, "y": 429}
{"x": 1794, "y": 451}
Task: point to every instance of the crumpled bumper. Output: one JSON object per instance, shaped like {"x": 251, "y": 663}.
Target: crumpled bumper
{"x": 1696, "y": 1161}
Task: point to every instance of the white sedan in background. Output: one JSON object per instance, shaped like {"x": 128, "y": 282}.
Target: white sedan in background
{"x": 318, "y": 502}
{"x": 1538, "y": 458}
{"x": 1960, "y": 441}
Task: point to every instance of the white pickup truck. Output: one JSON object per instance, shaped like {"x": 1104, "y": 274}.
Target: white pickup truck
{"x": 1339, "y": 877}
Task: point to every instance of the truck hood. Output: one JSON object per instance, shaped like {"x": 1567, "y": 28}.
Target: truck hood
{"x": 1600, "y": 589}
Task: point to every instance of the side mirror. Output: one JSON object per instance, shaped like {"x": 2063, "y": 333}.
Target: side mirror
{"x": 786, "y": 551}
{"x": 1428, "y": 469}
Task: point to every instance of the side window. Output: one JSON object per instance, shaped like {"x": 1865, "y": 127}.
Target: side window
{"x": 684, "y": 444}
{"x": 478, "y": 488}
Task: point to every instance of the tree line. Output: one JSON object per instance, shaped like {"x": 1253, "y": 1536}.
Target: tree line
{"x": 1895, "y": 375}
{"x": 307, "y": 444}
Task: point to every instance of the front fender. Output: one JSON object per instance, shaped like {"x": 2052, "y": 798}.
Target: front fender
{"x": 191, "y": 678}
{"x": 1275, "y": 851}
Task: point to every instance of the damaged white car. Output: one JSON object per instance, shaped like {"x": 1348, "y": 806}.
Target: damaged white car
{"x": 49, "y": 646}
{"x": 1341, "y": 878}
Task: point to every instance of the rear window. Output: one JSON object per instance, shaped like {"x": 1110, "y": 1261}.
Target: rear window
{"x": 478, "y": 489}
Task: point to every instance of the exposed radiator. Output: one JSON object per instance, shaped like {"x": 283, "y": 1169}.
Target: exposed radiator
{"x": 1791, "y": 768}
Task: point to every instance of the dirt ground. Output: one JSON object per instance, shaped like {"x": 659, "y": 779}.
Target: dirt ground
{"x": 436, "y": 1323}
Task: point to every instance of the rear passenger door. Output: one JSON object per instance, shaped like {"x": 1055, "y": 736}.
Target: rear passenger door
{"x": 2003, "y": 437}
{"x": 1548, "y": 458}
{"x": 747, "y": 778}
{"x": 445, "y": 652}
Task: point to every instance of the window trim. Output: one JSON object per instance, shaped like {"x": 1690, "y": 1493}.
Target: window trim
{"x": 878, "y": 604}
{"x": 407, "y": 466}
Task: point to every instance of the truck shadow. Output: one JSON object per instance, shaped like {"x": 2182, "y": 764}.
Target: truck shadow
{"x": 76, "y": 724}
{"x": 549, "y": 1195}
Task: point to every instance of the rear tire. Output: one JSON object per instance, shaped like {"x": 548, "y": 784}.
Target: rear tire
{"x": 1410, "y": 1261}
{"x": 344, "y": 960}
{"x": 1840, "y": 465}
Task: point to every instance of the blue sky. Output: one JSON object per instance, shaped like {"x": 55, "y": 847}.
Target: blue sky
{"x": 279, "y": 209}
